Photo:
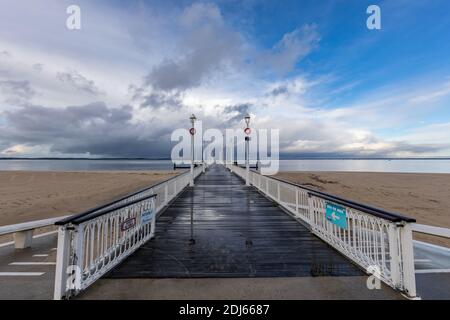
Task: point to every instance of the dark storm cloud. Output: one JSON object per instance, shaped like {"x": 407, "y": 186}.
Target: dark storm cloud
{"x": 94, "y": 129}
{"x": 79, "y": 82}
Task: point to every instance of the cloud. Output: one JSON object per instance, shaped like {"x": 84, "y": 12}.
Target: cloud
{"x": 171, "y": 101}
{"x": 208, "y": 45}
{"x": 189, "y": 59}
{"x": 302, "y": 136}
{"x": 79, "y": 82}
{"x": 5, "y": 54}
{"x": 292, "y": 86}
{"x": 38, "y": 67}
{"x": 153, "y": 99}
{"x": 367, "y": 147}
{"x": 92, "y": 129}
{"x": 282, "y": 89}
{"x": 235, "y": 113}
{"x": 432, "y": 95}
{"x": 16, "y": 91}
{"x": 293, "y": 47}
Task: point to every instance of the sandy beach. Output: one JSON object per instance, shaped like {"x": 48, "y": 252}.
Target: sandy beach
{"x": 423, "y": 196}
{"x": 33, "y": 195}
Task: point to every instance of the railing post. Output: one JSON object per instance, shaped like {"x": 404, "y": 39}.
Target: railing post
{"x": 62, "y": 262}
{"x": 311, "y": 218}
{"x": 296, "y": 200}
{"x": 394, "y": 242}
{"x": 166, "y": 192}
{"x": 79, "y": 253}
{"x": 408, "y": 272}
{"x": 153, "y": 223}
{"x": 278, "y": 191}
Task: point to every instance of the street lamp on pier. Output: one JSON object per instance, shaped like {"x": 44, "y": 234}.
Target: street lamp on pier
{"x": 192, "y": 132}
{"x": 247, "y": 131}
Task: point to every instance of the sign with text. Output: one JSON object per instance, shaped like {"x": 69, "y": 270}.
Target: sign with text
{"x": 336, "y": 215}
{"x": 146, "y": 216}
{"x": 128, "y": 224}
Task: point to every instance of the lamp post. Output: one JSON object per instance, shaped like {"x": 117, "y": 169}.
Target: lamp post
{"x": 203, "y": 158}
{"x": 247, "y": 131}
{"x": 192, "y": 132}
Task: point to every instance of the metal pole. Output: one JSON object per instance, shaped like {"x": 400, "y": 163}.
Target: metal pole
{"x": 203, "y": 159}
{"x": 247, "y": 150}
{"x": 192, "y": 132}
{"x": 191, "y": 183}
{"x": 247, "y": 164}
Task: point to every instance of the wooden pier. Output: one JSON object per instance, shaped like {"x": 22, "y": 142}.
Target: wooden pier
{"x": 235, "y": 232}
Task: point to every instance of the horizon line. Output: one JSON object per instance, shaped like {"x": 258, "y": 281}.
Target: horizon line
{"x": 281, "y": 158}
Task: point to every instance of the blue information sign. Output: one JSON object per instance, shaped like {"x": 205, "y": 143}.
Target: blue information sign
{"x": 336, "y": 214}
{"x": 146, "y": 216}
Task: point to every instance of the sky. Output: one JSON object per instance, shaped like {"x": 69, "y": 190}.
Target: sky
{"x": 136, "y": 71}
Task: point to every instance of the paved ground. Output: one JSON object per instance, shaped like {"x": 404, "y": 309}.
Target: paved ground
{"x": 28, "y": 273}
{"x": 432, "y": 266}
{"x": 294, "y": 288}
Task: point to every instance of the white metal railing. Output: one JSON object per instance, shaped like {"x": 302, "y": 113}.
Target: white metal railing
{"x": 378, "y": 241}
{"x": 23, "y": 232}
{"x": 92, "y": 243}
{"x": 431, "y": 230}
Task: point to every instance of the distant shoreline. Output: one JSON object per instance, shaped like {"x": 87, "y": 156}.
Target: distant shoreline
{"x": 168, "y": 159}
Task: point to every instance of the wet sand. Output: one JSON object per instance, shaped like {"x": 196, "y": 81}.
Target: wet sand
{"x": 423, "y": 196}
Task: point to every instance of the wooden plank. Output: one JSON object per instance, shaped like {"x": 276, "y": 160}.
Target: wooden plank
{"x": 237, "y": 232}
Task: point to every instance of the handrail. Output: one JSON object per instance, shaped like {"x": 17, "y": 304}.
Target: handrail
{"x": 30, "y": 225}
{"x": 95, "y": 214}
{"x": 23, "y": 232}
{"x": 100, "y": 207}
{"x": 391, "y": 216}
{"x": 432, "y": 230}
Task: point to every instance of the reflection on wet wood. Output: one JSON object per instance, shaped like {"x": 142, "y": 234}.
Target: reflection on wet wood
{"x": 236, "y": 232}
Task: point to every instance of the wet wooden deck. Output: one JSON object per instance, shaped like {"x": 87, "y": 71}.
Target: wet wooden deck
{"x": 236, "y": 232}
